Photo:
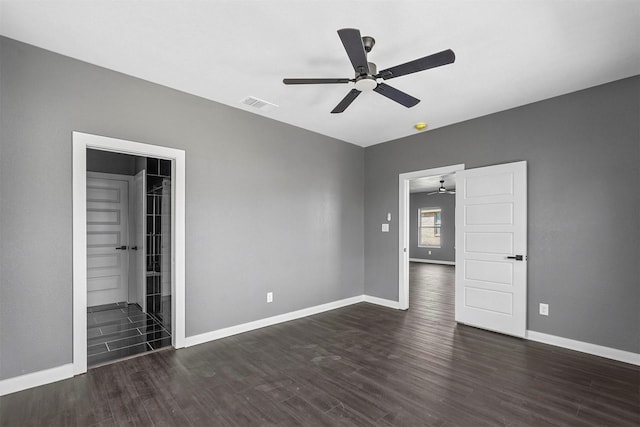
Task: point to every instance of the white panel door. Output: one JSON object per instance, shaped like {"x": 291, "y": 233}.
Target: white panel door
{"x": 107, "y": 240}
{"x": 491, "y": 248}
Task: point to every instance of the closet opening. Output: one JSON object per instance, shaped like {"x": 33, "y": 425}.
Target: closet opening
{"x": 129, "y": 255}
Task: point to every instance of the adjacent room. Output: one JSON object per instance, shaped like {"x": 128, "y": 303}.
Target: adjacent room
{"x": 318, "y": 213}
{"x": 431, "y": 242}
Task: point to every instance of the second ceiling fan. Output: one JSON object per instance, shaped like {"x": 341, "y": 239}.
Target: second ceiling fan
{"x": 367, "y": 76}
{"x": 442, "y": 190}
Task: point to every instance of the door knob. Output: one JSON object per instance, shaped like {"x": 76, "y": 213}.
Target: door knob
{"x": 121, "y": 248}
{"x": 517, "y": 257}
{"x": 134, "y": 248}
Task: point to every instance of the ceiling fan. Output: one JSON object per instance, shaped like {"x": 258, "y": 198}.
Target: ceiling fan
{"x": 366, "y": 77}
{"x": 442, "y": 190}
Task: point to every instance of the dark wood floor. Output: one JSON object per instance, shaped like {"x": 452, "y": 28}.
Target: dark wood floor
{"x": 359, "y": 365}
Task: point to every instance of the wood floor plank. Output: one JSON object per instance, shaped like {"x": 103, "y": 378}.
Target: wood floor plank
{"x": 306, "y": 413}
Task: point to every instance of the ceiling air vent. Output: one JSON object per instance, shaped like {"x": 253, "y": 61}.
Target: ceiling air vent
{"x": 260, "y": 104}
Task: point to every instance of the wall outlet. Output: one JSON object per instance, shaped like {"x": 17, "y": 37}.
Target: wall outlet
{"x": 544, "y": 309}
{"x": 269, "y": 296}
{"x": 385, "y": 228}
{"x": 429, "y": 252}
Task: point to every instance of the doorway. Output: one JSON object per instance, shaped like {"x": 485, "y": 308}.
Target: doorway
{"x": 173, "y": 313}
{"x": 422, "y": 180}
{"x": 128, "y": 255}
{"x": 432, "y": 246}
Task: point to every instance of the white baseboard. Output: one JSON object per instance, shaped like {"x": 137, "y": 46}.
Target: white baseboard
{"x": 381, "y": 301}
{"x": 47, "y": 376}
{"x": 585, "y": 347}
{"x": 35, "y": 379}
{"x": 432, "y": 261}
{"x": 257, "y": 324}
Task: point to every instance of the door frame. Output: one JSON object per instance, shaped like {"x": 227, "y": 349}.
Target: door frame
{"x": 140, "y": 270}
{"x": 81, "y": 142}
{"x": 403, "y": 226}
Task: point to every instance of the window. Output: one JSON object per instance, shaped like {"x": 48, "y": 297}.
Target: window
{"x": 429, "y": 223}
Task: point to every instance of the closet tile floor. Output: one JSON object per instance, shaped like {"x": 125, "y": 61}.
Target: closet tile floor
{"x": 116, "y": 331}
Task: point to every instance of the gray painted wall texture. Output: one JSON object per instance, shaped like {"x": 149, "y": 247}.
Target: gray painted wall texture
{"x": 447, "y": 205}
{"x": 583, "y": 152}
{"x": 269, "y": 207}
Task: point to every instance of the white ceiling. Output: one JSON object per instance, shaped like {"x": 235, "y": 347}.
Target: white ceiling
{"x": 508, "y": 52}
{"x": 431, "y": 183}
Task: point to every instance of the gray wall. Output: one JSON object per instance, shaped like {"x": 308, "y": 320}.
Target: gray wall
{"x": 583, "y": 154}
{"x": 108, "y": 162}
{"x": 447, "y": 205}
{"x": 269, "y": 207}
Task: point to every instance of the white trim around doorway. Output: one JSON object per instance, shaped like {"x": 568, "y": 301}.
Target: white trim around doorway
{"x": 82, "y": 142}
{"x": 403, "y": 226}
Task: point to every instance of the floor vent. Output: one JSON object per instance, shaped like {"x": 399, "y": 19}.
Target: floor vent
{"x": 260, "y": 104}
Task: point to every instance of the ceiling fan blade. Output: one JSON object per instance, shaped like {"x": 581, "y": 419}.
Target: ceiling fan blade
{"x": 352, "y": 41}
{"x": 436, "y": 60}
{"x": 346, "y": 101}
{"x": 441, "y": 192}
{"x": 396, "y": 95}
{"x": 314, "y": 81}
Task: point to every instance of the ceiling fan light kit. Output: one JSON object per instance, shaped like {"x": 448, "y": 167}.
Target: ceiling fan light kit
{"x": 368, "y": 81}
{"x": 366, "y": 73}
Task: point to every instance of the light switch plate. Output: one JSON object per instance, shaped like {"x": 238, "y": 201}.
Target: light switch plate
{"x": 385, "y": 228}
